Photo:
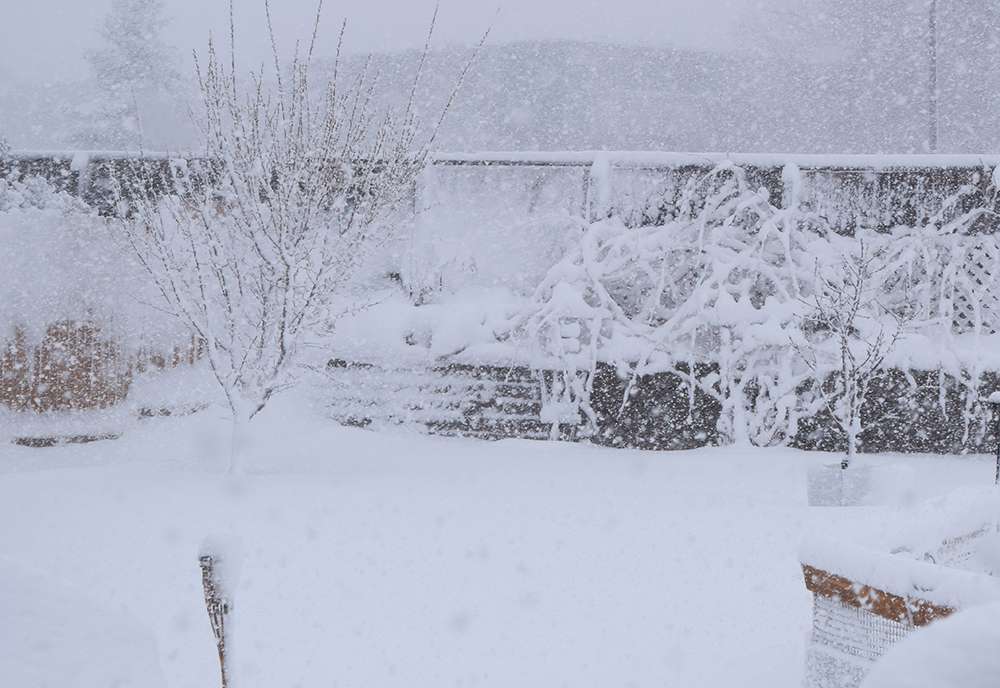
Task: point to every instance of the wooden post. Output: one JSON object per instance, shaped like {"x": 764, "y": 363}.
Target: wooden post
{"x": 218, "y": 607}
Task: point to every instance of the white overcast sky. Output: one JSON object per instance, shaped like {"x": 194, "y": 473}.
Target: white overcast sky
{"x": 44, "y": 40}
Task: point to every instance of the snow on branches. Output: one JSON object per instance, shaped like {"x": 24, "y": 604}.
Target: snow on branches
{"x": 789, "y": 318}
{"x": 249, "y": 242}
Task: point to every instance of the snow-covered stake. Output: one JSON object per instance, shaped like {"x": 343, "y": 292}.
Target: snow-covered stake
{"x": 995, "y": 403}
{"x": 220, "y": 569}
{"x": 218, "y": 610}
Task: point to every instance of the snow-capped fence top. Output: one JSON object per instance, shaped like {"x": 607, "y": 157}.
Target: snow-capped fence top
{"x": 877, "y": 191}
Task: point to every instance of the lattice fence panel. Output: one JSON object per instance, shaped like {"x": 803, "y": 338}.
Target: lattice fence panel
{"x": 977, "y": 305}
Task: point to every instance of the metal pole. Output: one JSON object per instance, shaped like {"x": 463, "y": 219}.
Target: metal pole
{"x": 933, "y": 140}
{"x": 994, "y": 401}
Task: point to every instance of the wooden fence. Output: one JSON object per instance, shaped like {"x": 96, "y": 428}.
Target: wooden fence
{"x": 75, "y": 367}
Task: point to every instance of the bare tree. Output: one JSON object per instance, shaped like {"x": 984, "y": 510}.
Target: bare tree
{"x": 290, "y": 197}
{"x": 845, "y": 340}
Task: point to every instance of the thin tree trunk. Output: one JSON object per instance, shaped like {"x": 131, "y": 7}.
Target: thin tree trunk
{"x": 239, "y": 444}
{"x": 851, "y": 450}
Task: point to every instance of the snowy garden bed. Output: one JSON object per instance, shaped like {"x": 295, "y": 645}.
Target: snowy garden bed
{"x": 401, "y": 559}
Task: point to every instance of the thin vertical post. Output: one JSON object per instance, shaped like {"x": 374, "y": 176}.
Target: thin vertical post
{"x": 218, "y": 610}
{"x": 994, "y": 401}
{"x": 933, "y": 134}
{"x": 996, "y": 431}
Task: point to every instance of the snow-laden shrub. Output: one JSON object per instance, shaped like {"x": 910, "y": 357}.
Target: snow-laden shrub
{"x": 23, "y": 193}
{"x": 691, "y": 290}
{"x": 788, "y": 317}
{"x": 250, "y": 244}
{"x": 61, "y": 265}
{"x": 59, "y": 261}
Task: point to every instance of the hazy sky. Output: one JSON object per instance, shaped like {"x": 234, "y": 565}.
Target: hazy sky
{"x": 45, "y": 40}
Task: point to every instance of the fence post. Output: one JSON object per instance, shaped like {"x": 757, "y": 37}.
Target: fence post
{"x": 995, "y": 403}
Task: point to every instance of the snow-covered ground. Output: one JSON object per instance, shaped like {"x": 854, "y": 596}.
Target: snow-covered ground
{"x": 398, "y": 559}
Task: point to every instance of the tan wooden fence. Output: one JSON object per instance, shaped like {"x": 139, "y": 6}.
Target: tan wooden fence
{"x": 76, "y": 367}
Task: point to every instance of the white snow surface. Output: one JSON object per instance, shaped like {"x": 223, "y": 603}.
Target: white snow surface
{"x": 959, "y": 651}
{"x": 54, "y": 634}
{"x": 408, "y": 560}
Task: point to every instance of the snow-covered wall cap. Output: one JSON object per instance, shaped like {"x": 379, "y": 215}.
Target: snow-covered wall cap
{"x": 70, "y": 154}
{"x": 615, "y": 158}
{"x": 899, "y": 574}
{"x": 669, "y": 159}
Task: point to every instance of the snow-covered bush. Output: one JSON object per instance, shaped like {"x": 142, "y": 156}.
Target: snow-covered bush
{"x": 691, "y": 290}
{"x": 58, "y": 259}
{"x": 70, "y": 316}
{"x": 19, "y": 192}
{"x": 253, "y": 240}
{"x": 751, "y": 305}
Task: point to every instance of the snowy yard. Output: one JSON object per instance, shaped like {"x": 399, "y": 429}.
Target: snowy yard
{"x": 397, "y": 559}
{"x": 327, "y": 226}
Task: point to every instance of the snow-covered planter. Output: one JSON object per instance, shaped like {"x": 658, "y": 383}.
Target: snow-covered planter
{"x": 867, "y": 597}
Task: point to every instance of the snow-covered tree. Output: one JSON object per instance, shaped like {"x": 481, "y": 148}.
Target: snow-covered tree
{"x": 847, "y": 335}
{"x": 134, "y": 55}
{"x": 136, "y": 84}
{"x": 256, "y": 237}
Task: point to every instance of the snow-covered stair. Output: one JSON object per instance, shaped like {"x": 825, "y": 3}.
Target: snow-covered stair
{"x": 479, "y": 401}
